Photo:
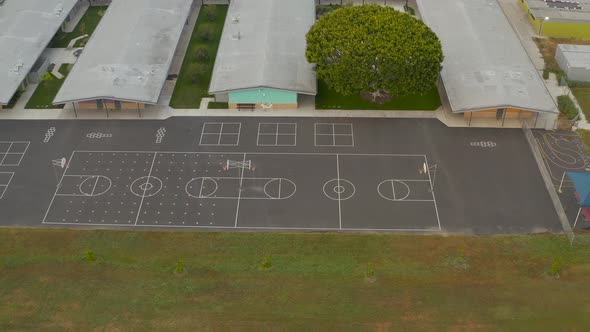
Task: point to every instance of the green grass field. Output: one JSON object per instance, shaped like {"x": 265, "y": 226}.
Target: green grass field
{"x": 46, "y": 91}
{"x": 317, "y": 282}
{"x": 582, "y": 95}
{"x": 189, "y": 91}
{"x": 330, "y": 99}
{"x": 86, "y": 26}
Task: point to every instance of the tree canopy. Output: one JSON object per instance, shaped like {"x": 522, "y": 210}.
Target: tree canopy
{"x": 374, "y": 49}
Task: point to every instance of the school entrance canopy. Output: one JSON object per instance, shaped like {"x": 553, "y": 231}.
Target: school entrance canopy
{"x": 581, "y": 183}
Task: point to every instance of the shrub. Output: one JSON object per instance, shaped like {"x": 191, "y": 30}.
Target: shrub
{"x": 370, "y": 269}
{"x": 89, "y": 255}
{"x": 266, "y": 263}
{"x": 198, "y": 72}
{"x": 545, "y": 74}
{"x": 202, "y": 54}
{"x": 179, "y": 268}
{"x": 210, "y": 13}
{"x": 567, "y": 107}
{"x": 206, "y": 34}
{"x": 554, "y": 269}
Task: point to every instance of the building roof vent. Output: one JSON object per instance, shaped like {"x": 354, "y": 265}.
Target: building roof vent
{"x": 234, "y": 19}
{"x": 236, "y": 36}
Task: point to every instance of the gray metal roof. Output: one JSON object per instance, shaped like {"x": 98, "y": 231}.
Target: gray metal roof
{"x": 485, "y": 65}
{"x": 26, "y": 27}
{"x": 560, "y": 10}
{"x": 129, "y": 55}
{"x": 577, "y": 56}
{"x": 263, "y": 45}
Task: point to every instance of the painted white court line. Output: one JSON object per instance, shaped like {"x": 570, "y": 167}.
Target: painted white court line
{"x": 339, "y": 192}
{"x": 57, "y": 187}
{"x": 6, "y": 153}
{"x": 4, "y": 186}
{"x": 22, "y": 154}
{"x": 417, "y": 230}
{"x": 277, "y": 133}
{"x": 240, "y": 193}
{"x": 432, "y": 191}
{"x": 220, "y": 134}
{"x": 145, "y": 188}
{"x": 333, "y": 134}
{"x": 261, "y": 153}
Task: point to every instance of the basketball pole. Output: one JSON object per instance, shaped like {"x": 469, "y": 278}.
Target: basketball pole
{"x": 561, "y": 184}
{"x": 435, "y": 168}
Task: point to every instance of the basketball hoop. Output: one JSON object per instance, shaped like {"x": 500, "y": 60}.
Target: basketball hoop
{"x": 424, "y": 169}
{"x": 229, "y": 164}
{"x": 61, "y": 163}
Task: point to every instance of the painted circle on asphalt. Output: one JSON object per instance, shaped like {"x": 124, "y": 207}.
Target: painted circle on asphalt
{"x": 280, "y": 188}
{"x": 95, "y": 185}
{"x": 339, "y": 189}
{"x": 393, "y": 190}
{"x": 201, "y": 187}
{"x": 146, "y": 186}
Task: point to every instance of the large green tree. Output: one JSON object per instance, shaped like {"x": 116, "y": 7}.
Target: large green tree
{"x": 374, "y": 49}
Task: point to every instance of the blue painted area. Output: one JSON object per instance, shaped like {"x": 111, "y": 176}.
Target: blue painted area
{"x": 262, "y": 96}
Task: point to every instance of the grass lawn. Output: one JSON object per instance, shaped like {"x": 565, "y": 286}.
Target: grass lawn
{"x": 583, "y": 97}
{"x": 329, "y": 99}
{"x": 316, "y": 282}
{"x": 188, "y": 91}
{"x": 86, "y": 26}
{"x": 585, "y": 136}
{"x": 218, "y": 106}
{"x": 47, "y": 90}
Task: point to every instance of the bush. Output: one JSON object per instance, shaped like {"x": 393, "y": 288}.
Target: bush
{"x": 266, "y": 263}
{"x": 206, "y": 34}
{"x": 567, "y": 107}
{"x": 198, "y": 72}
{"x": 89, "y": 254}
{"x": 202, "y": 54}
{"x": 545, "y": 74}
{"x": 210, "y": 13}
{"x": 370, "y": 269}
{"x": 554, "y": 269}
{"x": 179, "y": 268}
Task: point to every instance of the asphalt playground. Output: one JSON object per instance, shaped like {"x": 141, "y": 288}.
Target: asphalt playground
{"x": 271, "y": 174}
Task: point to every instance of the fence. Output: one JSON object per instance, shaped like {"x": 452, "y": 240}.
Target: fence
{"x": 565, "y": 224}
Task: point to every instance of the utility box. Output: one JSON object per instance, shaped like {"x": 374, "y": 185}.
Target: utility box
{"x": 574, "y": 60}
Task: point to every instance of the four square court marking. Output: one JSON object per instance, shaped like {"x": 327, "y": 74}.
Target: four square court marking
{"x": 12, "y": 153}
{"x": 258, "y": 191}
{"x": 333, "y": 134}
{"x": 220, "y": 133}
{"x": 277, "y": 134}
{"x": 5, "y": 178}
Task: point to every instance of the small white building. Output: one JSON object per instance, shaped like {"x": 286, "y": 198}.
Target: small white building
{"x": 574, "y": 60}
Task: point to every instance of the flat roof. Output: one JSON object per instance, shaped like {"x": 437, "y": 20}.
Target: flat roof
{"x": 129, "y": 55}
{"x": 560, "y": 10}
{"x": 485, "y": 64}
{"x": 577, "y": 56}
{"x": 26, "y": 28}
{"x": 263, "y": 46}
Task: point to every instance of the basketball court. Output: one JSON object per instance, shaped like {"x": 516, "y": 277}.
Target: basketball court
{"x": 306, "y": 191}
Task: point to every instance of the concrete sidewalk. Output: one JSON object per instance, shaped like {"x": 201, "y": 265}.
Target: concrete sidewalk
{"x": 162, "y": 112}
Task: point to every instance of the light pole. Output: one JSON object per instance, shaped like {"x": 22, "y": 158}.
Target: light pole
{"x": 541, "y": 25}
